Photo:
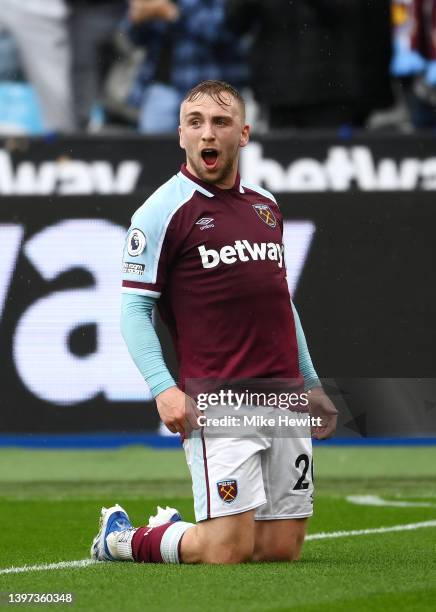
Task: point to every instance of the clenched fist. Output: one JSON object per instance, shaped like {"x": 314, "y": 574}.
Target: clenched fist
{"x": 320, "y": 405}
{"x": 178, "y": 411}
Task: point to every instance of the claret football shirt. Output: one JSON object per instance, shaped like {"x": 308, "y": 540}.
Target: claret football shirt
{"x": 214, "y": 259}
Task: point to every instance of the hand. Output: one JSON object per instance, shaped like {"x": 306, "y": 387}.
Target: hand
{"x": 178, "y": 411}
{"x": 144, "y": 10}
{"x": 320, "y": 405}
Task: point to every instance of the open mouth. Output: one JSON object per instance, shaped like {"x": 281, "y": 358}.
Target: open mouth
{"x": 210, "y": 157}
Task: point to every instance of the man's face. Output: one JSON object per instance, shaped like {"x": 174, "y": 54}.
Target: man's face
{"x": 212, "y": 135}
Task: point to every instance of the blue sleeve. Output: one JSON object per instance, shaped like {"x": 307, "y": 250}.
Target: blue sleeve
{"x": 307, "y": 370}
{"x": 142, "y": 341}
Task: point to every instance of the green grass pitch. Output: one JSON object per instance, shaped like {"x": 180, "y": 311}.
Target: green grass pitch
{"x": 50, "y": 502}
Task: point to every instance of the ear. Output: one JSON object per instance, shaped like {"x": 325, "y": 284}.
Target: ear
{"x": 181, "y": 143}
{"x": 245, "y": 136}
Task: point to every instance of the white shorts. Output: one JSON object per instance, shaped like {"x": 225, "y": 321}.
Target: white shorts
{"x": 232, "y": 475}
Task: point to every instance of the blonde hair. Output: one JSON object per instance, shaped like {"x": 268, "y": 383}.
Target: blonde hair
{"x": 215, "y": 89}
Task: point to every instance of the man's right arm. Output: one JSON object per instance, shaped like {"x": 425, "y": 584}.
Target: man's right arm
{"x": 142, "y": 341}
{"x": 177, "y": 410}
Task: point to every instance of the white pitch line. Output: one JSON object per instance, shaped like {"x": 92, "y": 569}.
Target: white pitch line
{"x": 48, "y": 566}
{"x": 376, "y": 500}
{"x": 357, "y": 532}
{"x": 314, "y": 536}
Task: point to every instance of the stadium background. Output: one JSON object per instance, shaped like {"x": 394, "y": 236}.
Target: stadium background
{"x": 77, "y": 427}
{"x": 359, "y": 224}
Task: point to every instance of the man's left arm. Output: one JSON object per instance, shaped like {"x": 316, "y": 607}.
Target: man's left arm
{"x": 320, "y": 404}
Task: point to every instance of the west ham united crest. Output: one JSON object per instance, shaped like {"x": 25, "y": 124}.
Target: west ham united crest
{"x": 265, "y": 213}
{"x": 227, "y": 490}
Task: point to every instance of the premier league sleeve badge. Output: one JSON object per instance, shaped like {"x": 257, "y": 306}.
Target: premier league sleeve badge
{"x": 136, "y": 242}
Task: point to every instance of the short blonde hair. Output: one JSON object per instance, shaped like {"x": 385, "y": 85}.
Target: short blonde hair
{"x": 215, "y": 89}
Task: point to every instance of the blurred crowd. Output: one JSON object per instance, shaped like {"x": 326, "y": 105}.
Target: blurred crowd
{"x": 89, "y": 65}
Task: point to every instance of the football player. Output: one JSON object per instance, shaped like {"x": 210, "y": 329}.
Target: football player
{"x": 208, "y": 251}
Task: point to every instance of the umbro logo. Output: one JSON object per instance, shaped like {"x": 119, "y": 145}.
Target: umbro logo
{"x": 206, "y": 223}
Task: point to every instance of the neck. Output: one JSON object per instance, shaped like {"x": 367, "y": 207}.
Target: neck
{"x": 223, "y": 183}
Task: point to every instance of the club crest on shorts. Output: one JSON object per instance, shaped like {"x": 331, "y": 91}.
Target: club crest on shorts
{"x": 136, "y": 242}
{"x": 265, "y": 213}
{"x": 227, "y": 490}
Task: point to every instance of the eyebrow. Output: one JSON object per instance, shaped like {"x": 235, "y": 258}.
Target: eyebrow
{"x": 198, "y": 114}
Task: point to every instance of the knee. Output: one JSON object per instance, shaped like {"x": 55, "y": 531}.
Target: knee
{"x": 282, "y": 553}
{"x": 226, "y": 540}
{"x": 230, "y": 553}
{"x": 276, "y": 554}
{"x": 279, "y": 551}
